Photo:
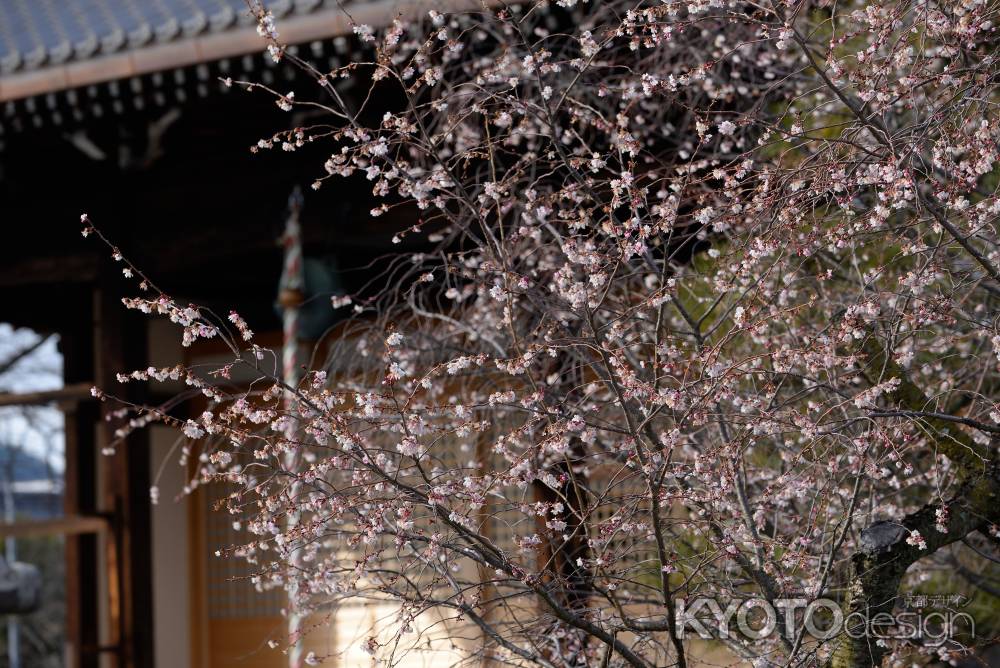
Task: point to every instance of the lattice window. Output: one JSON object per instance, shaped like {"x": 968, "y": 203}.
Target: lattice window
{"x": 230, "y": 591}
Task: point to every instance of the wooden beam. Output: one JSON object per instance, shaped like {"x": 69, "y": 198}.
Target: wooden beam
{"x": 64, "y": 526}
{"x": 49, "y": 270}
{"x": 73, "y": 392}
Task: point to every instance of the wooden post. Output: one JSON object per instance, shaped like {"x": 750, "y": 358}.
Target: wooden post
{"x": 487, "y": 592}
{"x": 80, "y": 497}
{"x": 120, "y": 339}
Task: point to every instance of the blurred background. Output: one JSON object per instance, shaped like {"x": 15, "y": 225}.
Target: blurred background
{"x": 31, "y": 488}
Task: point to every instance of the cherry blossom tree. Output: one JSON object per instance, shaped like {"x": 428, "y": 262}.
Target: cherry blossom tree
{"x": 708, "y": 307}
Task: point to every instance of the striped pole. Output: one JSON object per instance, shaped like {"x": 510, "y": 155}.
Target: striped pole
{"x": 291, "y": 298}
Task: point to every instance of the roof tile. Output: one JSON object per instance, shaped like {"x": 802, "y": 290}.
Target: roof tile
{"x": 35, "y": 34}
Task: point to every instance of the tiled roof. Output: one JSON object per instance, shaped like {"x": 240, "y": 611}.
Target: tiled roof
{"x": 35, "y": 34}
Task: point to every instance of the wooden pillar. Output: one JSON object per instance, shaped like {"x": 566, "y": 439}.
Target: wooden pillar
{"x": 80, "y": 496}
{"x": 488, "y": 593}
{"x": 120, "y": 346}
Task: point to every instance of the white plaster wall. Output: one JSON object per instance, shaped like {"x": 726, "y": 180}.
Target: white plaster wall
{"x": 171, "y": 561}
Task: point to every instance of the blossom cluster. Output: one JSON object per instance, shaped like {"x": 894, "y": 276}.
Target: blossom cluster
{"x": 704, "y": 289}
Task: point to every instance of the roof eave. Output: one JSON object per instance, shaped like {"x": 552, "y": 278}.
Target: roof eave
{"x": 322, "y": 24}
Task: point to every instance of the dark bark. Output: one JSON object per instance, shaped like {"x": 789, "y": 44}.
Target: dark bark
{"x": 879, "y": 566}
{"x": 883, "y": 557}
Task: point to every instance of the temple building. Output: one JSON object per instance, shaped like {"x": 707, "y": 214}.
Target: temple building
{"x": 117, "y": 109}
